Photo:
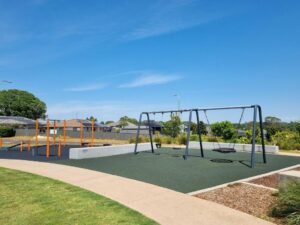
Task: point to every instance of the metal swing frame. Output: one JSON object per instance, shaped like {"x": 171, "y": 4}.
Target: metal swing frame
{"x": 256, "y": 110}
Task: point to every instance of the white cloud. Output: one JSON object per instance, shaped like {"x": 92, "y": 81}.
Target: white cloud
{"x": 90, "y": 87}
{"x": 150, "y": 79}
{"x": 102, "y": 110}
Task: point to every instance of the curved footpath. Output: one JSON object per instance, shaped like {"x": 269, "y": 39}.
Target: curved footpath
{"x": 162, "y": 205}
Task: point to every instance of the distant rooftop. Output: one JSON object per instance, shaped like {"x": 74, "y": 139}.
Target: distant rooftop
{"x": 16, "y": 120}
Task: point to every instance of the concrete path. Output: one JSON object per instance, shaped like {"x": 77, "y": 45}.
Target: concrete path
{"x": 162, "y": 205}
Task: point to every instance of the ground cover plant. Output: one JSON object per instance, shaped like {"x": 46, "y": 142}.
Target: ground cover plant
{"x": 287, "y": 205}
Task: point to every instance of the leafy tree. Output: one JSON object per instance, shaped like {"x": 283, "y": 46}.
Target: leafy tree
{"x": 15, "y": 102}
{"x": 272, "y": 126}
{"x": 92, "y": 118}
{"x": 224, "y": 129}
{"x": 194, "y": 128}
{"x": 173, "y": 126}
{"x": 272, "y": 119}
{"x": 109, "y": 121}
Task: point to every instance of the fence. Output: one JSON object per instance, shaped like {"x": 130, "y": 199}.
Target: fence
{"x": 76, "y": 134}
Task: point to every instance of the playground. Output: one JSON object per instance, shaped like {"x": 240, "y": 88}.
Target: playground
{"x": 166, "y": 168}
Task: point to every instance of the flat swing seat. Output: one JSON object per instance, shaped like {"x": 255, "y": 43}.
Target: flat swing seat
{"x": 224, "y": 150}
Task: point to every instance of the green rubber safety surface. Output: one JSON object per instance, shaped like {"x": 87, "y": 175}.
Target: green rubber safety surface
{"x": 167, "y": 168}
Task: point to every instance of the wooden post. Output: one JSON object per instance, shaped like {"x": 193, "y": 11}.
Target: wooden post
{"x": 48, "y": 139}
{"x": 1, "y": 143}
{"x": 54, "y": 134}
{"x": 21, "y": 146}
{"x": 93, "y": 133}
{"x": 28, "y": 147}
{"x": 65, "y": 132}
{"x": 81, "y": 133}
{"x": 36, "y": 133}
{"x": 59, "y": 149}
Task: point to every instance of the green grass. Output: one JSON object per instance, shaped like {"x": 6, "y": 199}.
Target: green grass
{"x": 168, "y": 169}
{"x": 30, "y": 199}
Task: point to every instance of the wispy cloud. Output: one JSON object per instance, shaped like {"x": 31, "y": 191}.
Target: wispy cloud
{"x": 150, "y": 79}
{"x": 167, "y": 17}
{"x": 89, "y": 87}
{"x": 102, "y": 110}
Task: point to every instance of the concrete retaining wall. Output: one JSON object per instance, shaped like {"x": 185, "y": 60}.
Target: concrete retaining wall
{"x": 237, "y": 147}
{"x": 95, "y": 152}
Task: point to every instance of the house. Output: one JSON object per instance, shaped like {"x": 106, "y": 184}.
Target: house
{"x": 132, "y": 129}
{"x": 144, "y": 128}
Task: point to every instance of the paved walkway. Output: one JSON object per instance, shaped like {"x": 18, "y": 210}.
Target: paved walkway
{"x": 162, "y": 205}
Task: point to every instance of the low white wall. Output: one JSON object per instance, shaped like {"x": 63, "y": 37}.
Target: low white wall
{"x": 237, "y": 147}
{"x": 94, "y": 152}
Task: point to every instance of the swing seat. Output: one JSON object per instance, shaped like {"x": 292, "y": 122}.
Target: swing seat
{"x": 224, "y": 150}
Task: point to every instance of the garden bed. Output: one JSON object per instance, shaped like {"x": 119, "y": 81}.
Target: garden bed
{"x": 247, "y": 198}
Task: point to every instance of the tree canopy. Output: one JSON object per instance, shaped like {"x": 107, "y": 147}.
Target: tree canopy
{"x": 224, "y": 129}
{"x": 15, "y": 102}
{"x": 172, "y": 127}
{"x": 125, "y": 119}
{"x": 92, "y": 118}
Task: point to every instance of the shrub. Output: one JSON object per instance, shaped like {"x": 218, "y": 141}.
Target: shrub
{"x": 157, "y": 138}
{"x": 212, "y": 139}
{"x": 194, "y": 137}
{"x": 288, "y": 203}
{"x": 142, "y": 139}
{"x": 181, "y": 139}
{"x": 166, "y": 140}
{"x": 287, "y": 140}
{"x": 224, "y": 129}
{"x": 243, "y": 140}
{"x": 7, "y": 132}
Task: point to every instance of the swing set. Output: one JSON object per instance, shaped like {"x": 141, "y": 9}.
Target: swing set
{"x": 257, "y": 111}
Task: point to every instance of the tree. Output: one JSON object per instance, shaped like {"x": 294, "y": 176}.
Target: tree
{"x": 224, "y": 129}
{"x": 126, "y": 120}
{"x": 21, "y": 103}
{"x": 194, "y": 128}
{"x": 172, "y": 127}
{"x": 272, "y": 119}
{"x": 109, "y": 121}
{"x": 92, "y": 118}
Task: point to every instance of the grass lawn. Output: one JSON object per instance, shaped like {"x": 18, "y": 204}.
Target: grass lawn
{"x": 30, "y": 199}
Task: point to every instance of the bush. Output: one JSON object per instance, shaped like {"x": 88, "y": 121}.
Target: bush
{"x": 243, "y": 140}
{"x": 224, "y": 129}
{"x": 181, "y": 139}
{"x": 7, "y": 132}
{"x": 142, "y": 139}
{"x": 166, "y": 140}
{"x": 287, "y": 140}
{"x": 157, "y": 138}
{"x": 194, "y": 137}
{"x": 288, "y": 203}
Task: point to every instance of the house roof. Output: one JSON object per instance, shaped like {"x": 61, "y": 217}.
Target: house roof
{"x": 76, "y": 123}
{"x": 16, "y": 120}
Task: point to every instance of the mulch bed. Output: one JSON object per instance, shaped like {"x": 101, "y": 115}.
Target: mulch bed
{"x": 246, "y": 198}
{"x": 270, "y": 181}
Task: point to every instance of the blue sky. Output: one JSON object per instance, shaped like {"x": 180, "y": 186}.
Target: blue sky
{"x": 114, "y": 58}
